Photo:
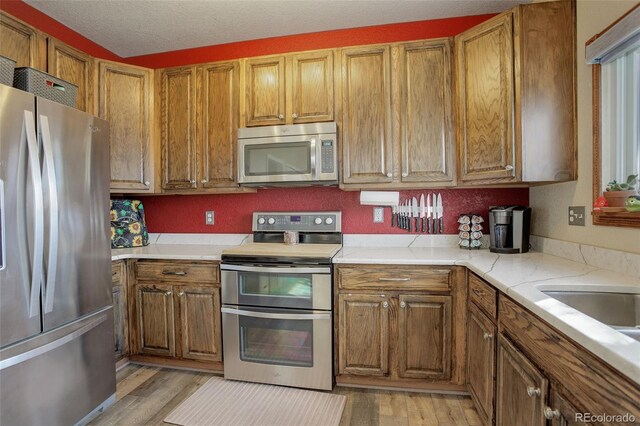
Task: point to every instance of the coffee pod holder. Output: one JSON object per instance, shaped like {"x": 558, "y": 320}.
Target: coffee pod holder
{"x": 470, "y": 231}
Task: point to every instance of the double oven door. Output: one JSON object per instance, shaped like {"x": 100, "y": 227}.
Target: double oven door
{"x": 277, "y": 324}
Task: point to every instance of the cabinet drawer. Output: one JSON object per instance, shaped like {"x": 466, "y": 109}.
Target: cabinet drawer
{"x": 483, "y": 295}
{"x": 394, "y": 278}
{"x": 177, "y": 271}
{"x": 116, "y": 272}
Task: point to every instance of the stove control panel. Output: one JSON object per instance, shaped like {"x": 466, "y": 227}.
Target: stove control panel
{"x": 297, "y": 221}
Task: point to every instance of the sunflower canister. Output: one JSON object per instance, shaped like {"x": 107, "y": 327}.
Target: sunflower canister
{"x": 128, "y": 228}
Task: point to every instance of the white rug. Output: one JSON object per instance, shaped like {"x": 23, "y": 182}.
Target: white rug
{"x": 227, "y": 402}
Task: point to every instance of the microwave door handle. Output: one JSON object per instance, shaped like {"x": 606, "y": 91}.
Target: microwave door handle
{"x": 314, "y": 158}
{"x": 266, "y": 315}
{"x": 276, "y": 270}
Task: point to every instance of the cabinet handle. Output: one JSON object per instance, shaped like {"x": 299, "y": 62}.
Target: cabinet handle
{"x": 180, "y": 273}
{"x": 385, "y": 304}
{"x": 487, "y": 336}
{"x": 508, "y": 167}
{"x": 181, "y": 294}
{"x": 531, "y": 391}
{"x": 147, "y": 183}
{"x": 168, "y": 293}
{"x": 478, "y": 292}
{"x": 204, "y": 181}
{"x": 281, "y": 116}
{"x": 389, "y": 174}
{"x": 551, "y": 414}
{"x": 193, "y": 181}
{"x": 393, "y": 279}
{"x": 294, "y": 115}
{"x": 405, "y": 174}
{"x": 403, "y": 305}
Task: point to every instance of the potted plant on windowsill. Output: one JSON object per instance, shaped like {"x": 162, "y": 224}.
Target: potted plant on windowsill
{"x": 617, "y": 193}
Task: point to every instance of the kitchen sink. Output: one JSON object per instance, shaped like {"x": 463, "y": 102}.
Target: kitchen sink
{"x": 620, "y": 311}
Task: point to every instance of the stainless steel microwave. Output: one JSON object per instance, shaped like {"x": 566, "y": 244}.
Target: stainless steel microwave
{"x": 299, "y": 154}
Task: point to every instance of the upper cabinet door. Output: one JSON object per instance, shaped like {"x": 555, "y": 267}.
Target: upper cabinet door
{"x": 178, "y": 127}
{"x": 265, "y": 91}
{"x": 312, "y": 87}
{"x": 486, "y": 101}
{"x": 425, "y": 92}
{"x": 23, "y": 44}
{"x": 218, "y": 121}
{"x": 125, "y": 99}
{"x": 366, "y": 115}
{"x": 73, "y": 66}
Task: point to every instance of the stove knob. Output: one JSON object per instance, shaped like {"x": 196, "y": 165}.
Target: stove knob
{"x": 261, "y": 221}
{"x": 317, "y": 220}
{"x": 271, "y": 221}
{"x": 328, "y": 221}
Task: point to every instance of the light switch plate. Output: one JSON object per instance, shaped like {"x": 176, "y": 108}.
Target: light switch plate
{"x": 378, "y": 215}
{"x": 576, "y": 215}
{"x": 209, "y": 217}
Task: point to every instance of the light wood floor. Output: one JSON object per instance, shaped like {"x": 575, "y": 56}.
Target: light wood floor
{"x": 146, "y": 395}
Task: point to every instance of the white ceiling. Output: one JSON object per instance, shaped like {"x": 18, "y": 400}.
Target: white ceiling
{"x": 139, "y": 27}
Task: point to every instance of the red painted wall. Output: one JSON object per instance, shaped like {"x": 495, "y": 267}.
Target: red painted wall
{"x": 39, "y": 20}
{"x": 233, "y": 212}
{"x": 320, "y": 40}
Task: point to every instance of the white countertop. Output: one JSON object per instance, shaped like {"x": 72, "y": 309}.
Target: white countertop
{"x": 523, "y": 277}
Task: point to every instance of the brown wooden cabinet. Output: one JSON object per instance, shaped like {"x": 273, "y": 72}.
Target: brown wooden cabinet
{"x": 424, "y": 93}
{"x": 516, "y": 96}
{"x": 120, "y": 317}
{"x": 366, "y": 115}
{"x": 289, "y": 89}
{"x": 396, "y": 327}
{"x": 561, "y": 412}
{"x": 481, "y": 362}
{"x": 176, "y": 314}
{"x": 125, "y": 99}
{"x": 363, "y": 346}
{"x": 22, "y": 43}
{"x": 74, "y": 66}
{"x": 178, "y": 133}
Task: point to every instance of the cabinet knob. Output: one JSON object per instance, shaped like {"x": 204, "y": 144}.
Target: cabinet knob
{"x": 487, "y": 336}
{"x": 204, "y": 181}
{"x": 389, "y": 174}
{"x": 385, "y": 304}
{"x": 508, "y": 167}
{"x": 281, "y": 116}
{"x": 551, "y": 414}
{"x": 147, "y": 183}
{"x": 193, "y": 181}
{"x": 403, "y": 305}
{"x": 405, "y": 174}
{"x": 168, "y": 293}
{"x": 181, "y": 294}
{"x": 294, "y": 115}
{"x": 531, "y": 391}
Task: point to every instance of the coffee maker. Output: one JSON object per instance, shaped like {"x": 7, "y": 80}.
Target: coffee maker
{"x": 509, "y": 229}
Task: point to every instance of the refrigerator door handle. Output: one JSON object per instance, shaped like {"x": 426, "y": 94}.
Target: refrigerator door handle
{"x": 49, "y": 173}
{"x": 29, "y": 133}
{"x": 3, "y": 249}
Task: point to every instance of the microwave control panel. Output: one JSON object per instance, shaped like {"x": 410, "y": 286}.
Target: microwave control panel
{"x": 327, "y": 151}
{"x": 298, "y": 221}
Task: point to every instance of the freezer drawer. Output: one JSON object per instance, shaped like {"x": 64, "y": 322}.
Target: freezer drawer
{"x": 57, "y": 378}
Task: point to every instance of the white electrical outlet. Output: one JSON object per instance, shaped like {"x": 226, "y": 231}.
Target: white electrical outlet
{"x": 209, "y": 217}
{"x": 378, "y": 215}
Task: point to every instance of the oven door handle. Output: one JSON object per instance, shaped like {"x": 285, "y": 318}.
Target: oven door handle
{"x": 276, "y": 270}
{"x": 240, "y": 312}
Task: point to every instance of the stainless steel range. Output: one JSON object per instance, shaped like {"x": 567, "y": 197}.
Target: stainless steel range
{"x": 277, "y": 301}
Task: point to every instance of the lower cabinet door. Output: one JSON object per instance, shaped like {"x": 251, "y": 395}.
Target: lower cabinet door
{"x": 199, "y": 329}
{"x": 481, "y": 362}
{"x": 562, "y": 413}
{"x": 521, "y": 390}
{"x": 363, "y": 347}
{"x": 424, "y": 337}
{"x": 155, "y": 319}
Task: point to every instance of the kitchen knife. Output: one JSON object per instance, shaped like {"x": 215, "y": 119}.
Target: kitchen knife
{"x": 414, "y": 212}
{"x": 440, "y": 213}
{"x": 429, "y": 211}
{"x": 401, "y": 216}
{"x": 434, "y": 223}
{"x": 407, "y": 219}
{"x": 394, "y": 212}
{"x": 423, "y": 213}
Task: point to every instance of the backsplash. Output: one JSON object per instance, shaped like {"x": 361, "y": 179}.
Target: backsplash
{"x": 233, "y": 212}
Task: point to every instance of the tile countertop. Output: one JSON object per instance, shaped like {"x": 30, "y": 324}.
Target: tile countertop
{"x": 523, "y": 277}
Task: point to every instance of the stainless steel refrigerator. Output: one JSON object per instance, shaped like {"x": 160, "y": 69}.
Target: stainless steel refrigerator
{"x": 56, "y": 315}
